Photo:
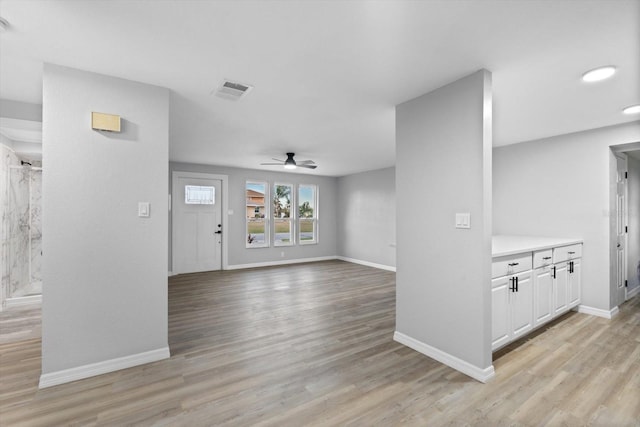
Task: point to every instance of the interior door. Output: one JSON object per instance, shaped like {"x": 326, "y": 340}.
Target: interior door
{"x": 621, "y": 227}
{"x": 197, "y": 224}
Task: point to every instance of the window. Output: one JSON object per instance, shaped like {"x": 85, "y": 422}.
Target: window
{"x": 307, "y": 214}
{"x": 199, "y": 195}
{"x": 282, "y": 214}
{"x": 257, "y": 214}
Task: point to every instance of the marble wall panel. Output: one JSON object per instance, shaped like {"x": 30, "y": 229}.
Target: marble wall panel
{"x": 36, "y": 226}
{"x": 18, "y": 222}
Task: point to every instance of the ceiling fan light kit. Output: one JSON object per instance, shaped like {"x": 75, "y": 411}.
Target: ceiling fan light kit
{"x": 290, "y": 163}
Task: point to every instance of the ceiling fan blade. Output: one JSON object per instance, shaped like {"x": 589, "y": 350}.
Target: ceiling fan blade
{"x": 305, "y": 162}
{"x": 272, "y": 164}
{"x": 277, "y": 160}
{"x": 307, "y": 166}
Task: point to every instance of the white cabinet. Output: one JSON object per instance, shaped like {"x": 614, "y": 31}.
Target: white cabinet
{"x": 575, "y": 282}
{"x": 500, "y": 312}
{"x": 512, "y": 308}
{"x": 542, "y": 287}
{"x": 543, "y": 309}
{"x": 566, "y": 277}
{"x": 529, "y": 289}
{"x": 560, "y": 288}
{"x": 522, "y": 305}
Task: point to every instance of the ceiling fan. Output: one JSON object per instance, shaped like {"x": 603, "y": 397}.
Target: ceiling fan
{"x": 290, "y": 163}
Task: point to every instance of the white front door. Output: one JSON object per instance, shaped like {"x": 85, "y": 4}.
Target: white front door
{"x": 621, "y": 228}
{"x": 197, "y": 224}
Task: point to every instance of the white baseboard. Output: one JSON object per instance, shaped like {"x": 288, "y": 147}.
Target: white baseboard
{"x": 633, "y": 292}
{"x": 282, "y": 262}
{"x": 73, "y": 374}
{"x": 21, "y": 301}
{"x": 170, "y": 273}
{"x": 482, "y": 375}
{"x": 367, "y": 263}
{"x": 607, "y": 314}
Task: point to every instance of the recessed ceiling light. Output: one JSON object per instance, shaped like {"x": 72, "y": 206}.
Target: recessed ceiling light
{"x": 632, "y": 109}
{"x": 599, "y": 74}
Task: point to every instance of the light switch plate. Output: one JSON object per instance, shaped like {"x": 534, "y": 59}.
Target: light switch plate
{"x": 463, "y": 220}
{"x": 143, "y": 209}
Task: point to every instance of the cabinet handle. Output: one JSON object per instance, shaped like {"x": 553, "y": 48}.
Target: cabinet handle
{"x": 554, "y": 271}
{"x": 511, "y": 264}
{"x": 516, "y": 283}
{"x": 570, "y": 266}
{"x": 571, "y": 252}
{"x": 546, "y": 257}
{"x": 512, "y": 288}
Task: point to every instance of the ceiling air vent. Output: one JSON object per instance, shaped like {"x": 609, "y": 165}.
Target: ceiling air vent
{"x": 232, "y": 90}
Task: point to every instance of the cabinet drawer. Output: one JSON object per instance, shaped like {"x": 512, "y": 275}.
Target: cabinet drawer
{"x": 542, "y": 258}
{"x": 567, "y": 252}
{"x": 511, "y": 264}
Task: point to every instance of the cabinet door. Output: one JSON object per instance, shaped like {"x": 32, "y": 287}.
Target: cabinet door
{"x": 542, "y": 295}
{"x": 561, "y": 289}
{"x": 522, "y": 306}
{"x": 575, "y": 283}
{"x": 500, "y": 312}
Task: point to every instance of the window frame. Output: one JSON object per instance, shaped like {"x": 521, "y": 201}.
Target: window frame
{"x": 267, "y": 215}
{"x": 316, "y": 210}
{"x": 292, "y": 214}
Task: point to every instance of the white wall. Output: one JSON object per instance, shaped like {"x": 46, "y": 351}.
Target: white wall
{"x": 443, "y": 166}
{"x": 239, "y": 255}
{"x": 104, "y": 268}
{"x": 20, "y": 110}
{"x": 633, "y": 245}
{"x": 367, "y": 217}
{"x": 559, "y": 186}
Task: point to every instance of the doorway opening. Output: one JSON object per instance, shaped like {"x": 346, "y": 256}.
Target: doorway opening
{"x": 625, "y": 222}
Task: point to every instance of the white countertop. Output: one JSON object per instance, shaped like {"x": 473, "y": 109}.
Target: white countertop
{"x": 510, "y": 245}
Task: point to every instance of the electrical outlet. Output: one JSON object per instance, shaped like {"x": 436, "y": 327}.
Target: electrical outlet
{"x": 282, "y": 254}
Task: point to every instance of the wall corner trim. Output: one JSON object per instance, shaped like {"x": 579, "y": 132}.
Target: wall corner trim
{"x": 78, "y": 373}
{"x": 607, "y": 314}
{"x": 479, "y": 374}
{"x": 367, "y": 263}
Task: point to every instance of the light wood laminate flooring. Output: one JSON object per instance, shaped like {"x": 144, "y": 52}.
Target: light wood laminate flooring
{"x": 312, "y": 344}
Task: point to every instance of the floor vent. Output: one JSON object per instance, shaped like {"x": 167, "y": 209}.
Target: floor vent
{"x": 232, "y": 90}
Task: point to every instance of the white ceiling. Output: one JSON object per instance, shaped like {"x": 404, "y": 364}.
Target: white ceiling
{"x": 328, "y": 74}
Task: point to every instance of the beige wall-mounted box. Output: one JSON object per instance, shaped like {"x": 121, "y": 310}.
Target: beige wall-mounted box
{"x": 108, "y": 122}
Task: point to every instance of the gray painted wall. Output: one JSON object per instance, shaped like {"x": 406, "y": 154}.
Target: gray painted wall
{"x": 104, "y": 269}
{"x": 559, "y": 186}
{"x": 443, "y": 166}
{"x": 238, "y": 253}
{"x": 20, "y": 110}
{"x": 633, "y": 244}
{"x": 367, "y": 216}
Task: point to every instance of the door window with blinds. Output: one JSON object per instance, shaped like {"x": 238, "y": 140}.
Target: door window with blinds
{"x": 199, "y": 195}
